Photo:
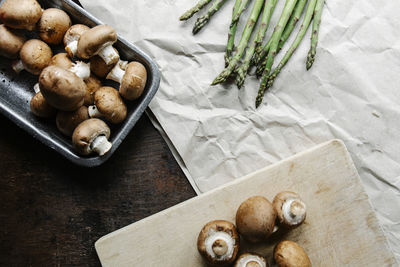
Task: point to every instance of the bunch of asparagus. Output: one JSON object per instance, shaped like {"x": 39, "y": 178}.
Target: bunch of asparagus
{"x": 237, "y": 66}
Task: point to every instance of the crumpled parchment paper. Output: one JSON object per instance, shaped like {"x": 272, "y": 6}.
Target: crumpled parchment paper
{"x": 351, "y": 93}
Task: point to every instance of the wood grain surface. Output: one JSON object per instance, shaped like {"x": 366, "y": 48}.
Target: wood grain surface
{"x": 52, "y": 211}
{"x": 341, "y": 228}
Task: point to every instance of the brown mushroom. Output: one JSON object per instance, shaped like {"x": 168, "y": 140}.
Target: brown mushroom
{"x": 108, "y": 104}
{"x": 93, "y": 84}
{"x": 61, "y": 60}
{"x": 251, "y": 260}
{"x": 218, "y": 242}
{"x": 99, "y": 67}
{"x": 290, "y": 209}
{"x": 81, "y": 69}
{"x": 91, "y": 136}
{"x": 71, "y": 38}
{"x": 34, "y": 55}
{"x": 291, "y": 254}
{"x": 67, "y": 121}
{"x": 52, "y": 25}
{"x": 61, "y": 88}
{"x": 132, "y": 78}
{"x": 255, "y": 219}
{"x": 40, "y": 107}
{"x": 20, "y": 14}
{"x": 98, "y": 41}
{"x": 11, "y": 42}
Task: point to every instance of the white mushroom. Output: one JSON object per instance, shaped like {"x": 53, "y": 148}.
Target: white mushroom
{"x": 290, "y": 209}
{"x": 218, "y": 242}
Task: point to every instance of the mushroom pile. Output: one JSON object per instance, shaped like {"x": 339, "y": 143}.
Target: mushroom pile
{"x": 256, "y": 220}
{"x": 70, "y": 85}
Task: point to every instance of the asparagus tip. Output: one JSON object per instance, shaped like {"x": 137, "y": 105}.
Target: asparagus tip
{"x": 310, "y": 60}
{"x": 200, "y": 24}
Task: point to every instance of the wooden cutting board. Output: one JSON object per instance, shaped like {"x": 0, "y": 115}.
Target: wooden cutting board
{"x": 341, "y": 228}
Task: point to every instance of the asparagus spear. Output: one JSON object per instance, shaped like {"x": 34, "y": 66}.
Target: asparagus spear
{"x": 315, "y": 30}
{"x": 188, "y": 14}
{"x": 255, "y": 12}
{"x": 201, "y": 21}
{"x": 262, "y": 52}
{"x": 232, "y": 32}
{"x": 298, "y": 10}
{"x": 256, "y": 42}
{"x": 299, "y": 37}
{"x": 276, "y": 36}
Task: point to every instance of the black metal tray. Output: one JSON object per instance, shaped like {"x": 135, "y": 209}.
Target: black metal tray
{"x": 17, "y": 90}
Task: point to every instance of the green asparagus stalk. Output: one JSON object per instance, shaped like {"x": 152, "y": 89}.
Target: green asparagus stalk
{"x": 276, "y": 36}
{"x": 298, "y": 10}
{"x": 188, "y": 14}
{"x": 255, "y": 12}
{"x": 232, "y": 33}
{"x": 299, "y": 37}
{"x": 256, "y": 42}
{"x": 201, "y": 21}
{"x": 262, "y": 52}
{"x": 315, "y": 30}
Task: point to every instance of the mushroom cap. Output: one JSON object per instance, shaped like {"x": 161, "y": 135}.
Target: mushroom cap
{"x": 74, "y": 32}
{"x": 206, "y": 235}
{"x": 291, "y": 214}
{"x": 291, "y": 254}
{"x": 110, "y": 104}
{"x": 133, "y": 81}
{"x": 62, "y": 88}
{"x": 99, "y": 67}
{"x": 52, "y": 25}
{"x": 251, "y": 260}
{"x": 11, "y": 42}
{"x": 35, "y": 56}
{"x": 67, "y": 121}
{"x": 20, "y": 14}
{"x": 92, "y": 84}
{"x": 86, "y": 132}
{"x": 95, "y": 39}
{"x": 255, "y": 219}
{"x": 61, "y": 60}
{"x": 40, "y": 107}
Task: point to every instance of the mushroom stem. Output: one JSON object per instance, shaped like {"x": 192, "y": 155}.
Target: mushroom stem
{"x": 117, "y": 73}
{"x": 94, "y": 112}
{"x": 81, "y": 69}
{"x": 36, "y": 88}
{"x": 101, "y": 145}
{"x": 17, "y": 66}
{"x": 72, "y": 48}
{"x": 219, "y": 245}
{"x": 294, "y": 211}
{"x": 108, "y": 54}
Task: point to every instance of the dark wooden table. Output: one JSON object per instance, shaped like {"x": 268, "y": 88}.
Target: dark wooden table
{"x": 52, "y": 211}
